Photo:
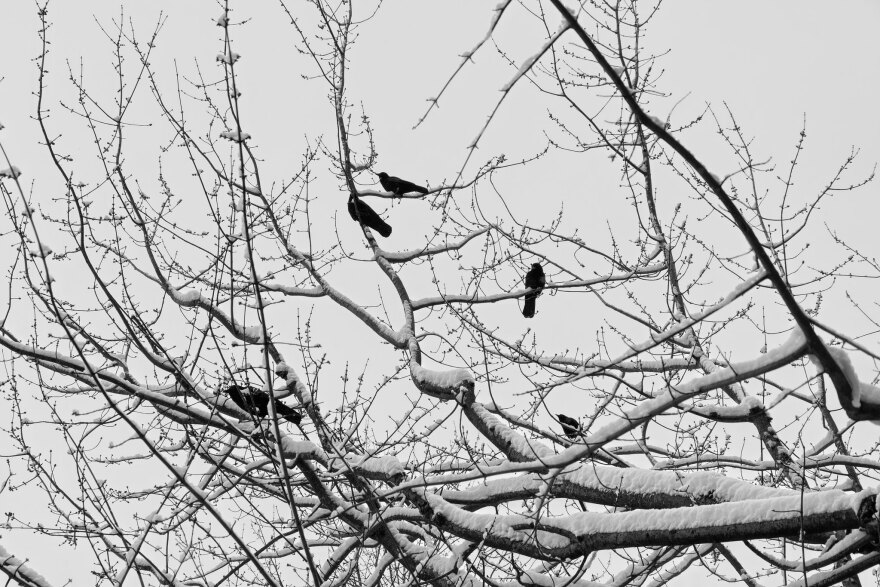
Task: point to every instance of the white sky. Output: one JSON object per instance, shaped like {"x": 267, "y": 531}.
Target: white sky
{"x": 771, "y": 62}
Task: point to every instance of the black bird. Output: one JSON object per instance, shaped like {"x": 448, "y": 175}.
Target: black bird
{"x": 256, "y": 403}
{"x": 360, "y": 212}
{"x": 398, "y": 186}
{"x": 534, "y": 280}
{"x": 570, "y": 426}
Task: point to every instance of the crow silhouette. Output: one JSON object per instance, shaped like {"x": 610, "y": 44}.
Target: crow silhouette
{"x": 570, "y": 426}
{"x": 398, "y": 186}
{"x": 256, "y": 403}
{"x": 535, "y": 280}
{"x": 360, "y": 212}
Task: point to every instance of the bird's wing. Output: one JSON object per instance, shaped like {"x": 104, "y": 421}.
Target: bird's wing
{"x": 567, "y": 420}
{"x": 396, "y": 184}
{"x": 260, "y": 401}
{"x": 287, "y": 412}
{"x": 409, "y": 186}
{"x": 237, "y": 398}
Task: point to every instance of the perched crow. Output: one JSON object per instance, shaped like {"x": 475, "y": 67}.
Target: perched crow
{"x": 256, "y": 403}
{"x": 534, "y": 280}
{"x": 398, "y": 186}
{"x": 570, "y": 426}
{"x": 362, "y": 213}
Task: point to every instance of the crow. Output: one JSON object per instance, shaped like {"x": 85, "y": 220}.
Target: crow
{"x": 256, "y": 403}
{"x": 398, "y": 186}
{"x": 535, "y": 280}
{"x": 360, "y": 212}
{"x": 570, "y": 426}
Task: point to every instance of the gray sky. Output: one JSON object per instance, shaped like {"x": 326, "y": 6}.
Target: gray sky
{"x": 774, "y": 64}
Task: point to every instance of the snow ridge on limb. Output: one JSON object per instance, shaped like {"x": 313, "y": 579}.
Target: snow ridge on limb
{"x": 381, "y": 468}
{"x": 835, "y": 576}
{"x": 12, "y": 172}
{"x": 474, "y": 298}
{"x": 458, "y": 384}
{"x": 505, "y": 90}
{"x": 588, "y": 368}
{"x": 815, "y": 344}
{"x": 663, "y": 576}
{"x": 514, "y": 445}
{"x": 849, "y": 544}
{"x": 405, "y": 256}
{"x": 293, "y": 384}
{"x": 570, "y": 536}
{"x": 794, "y": 348}
{"x": 171, "y": 406}
{"x": 616, "y": 486}
{"x": 677, "y": 328}
{"x": 18, "y": 571}
{"x": 549, "y": 577}
{"x": 790, "y": 350}
{"x": 445, "y": 385}
{"x": 192, "y": 298}
{"x": 467, "y": 56}
{"x": 532, "y": 60}
{"x": 303, "y": 449}
{"x": 863, "y": 403}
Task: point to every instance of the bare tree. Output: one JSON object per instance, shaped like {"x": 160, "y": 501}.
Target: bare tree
{"x": 220, "y": 372}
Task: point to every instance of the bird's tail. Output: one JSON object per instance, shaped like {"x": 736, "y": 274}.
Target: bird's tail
{"x": 529, "y": 306}
{"x": 421, "y": 190}
{"x": 288, "y": 413}
{"x": 382, "y": 227}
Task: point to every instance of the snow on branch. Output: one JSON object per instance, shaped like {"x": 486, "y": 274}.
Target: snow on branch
{"x": 741, "y": 412}
{"x": 541, "y": 578}
{"x": 467, "y": 56}
{"x": 636, "y": 365}
{"x": 791, "y": 349}
{"x": 837, "y": 575}
{"x": 10, "y": 172}
{"x": 516, "y": 446}
{"x": 445, "y": 385}
{"x": 293, "y": 383}
{"x": 570, "y": 535}
{"x": 513, "y": 532}
{"x": 188, "y": 298}
{"x": 850, "y": 543}
{"x": 404, "y": 256}
{"x": 389, "y": 335}
{"x": 590, "y": 368}
{"x": 794, "y": 348}
{"x": 781, "y": 286}
{"x": 290, "y": 290}
{"x": 192, "y": 298}
{"x": 864, "y": 402}
{"x": 43, "y": 250}
{"x": 505, "y": 91}
{"x": 228, "y": 58}
{"x": 384, "y": 468}
{"x": 19, "y": 572}
{"x": 532, "y": 60}
{"x": 474, "y": 298}
{"x": 303, "y": 449}
{"x": 615, "y": 486}
{"x": 235, "y": 136}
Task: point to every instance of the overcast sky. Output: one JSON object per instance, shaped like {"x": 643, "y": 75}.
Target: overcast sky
{"x": 772, "y": 63}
